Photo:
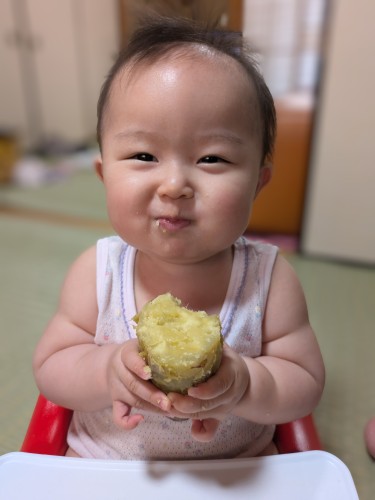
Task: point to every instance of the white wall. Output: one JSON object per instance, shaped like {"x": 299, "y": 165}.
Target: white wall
{"x": 340, "y": 211}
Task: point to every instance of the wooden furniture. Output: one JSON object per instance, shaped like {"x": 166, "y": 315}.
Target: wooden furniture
{"x": 227, "y": 13}
{"x": 279, "y": 206}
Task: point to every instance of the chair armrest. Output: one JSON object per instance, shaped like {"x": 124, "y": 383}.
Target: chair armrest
{"x": 299, "y": 435}
{"x": 47, "y": 429}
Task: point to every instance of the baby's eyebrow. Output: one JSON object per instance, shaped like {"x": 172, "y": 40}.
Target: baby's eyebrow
{"x": 203, "y": 138}
{"x": 142, "y": 134}
{"x": 222, "y": 136}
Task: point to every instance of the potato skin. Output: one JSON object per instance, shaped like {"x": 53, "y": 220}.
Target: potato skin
{"x": 182, "y": 347}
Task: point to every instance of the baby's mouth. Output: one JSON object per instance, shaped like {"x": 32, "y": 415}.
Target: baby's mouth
{"x": 172, "y": 224}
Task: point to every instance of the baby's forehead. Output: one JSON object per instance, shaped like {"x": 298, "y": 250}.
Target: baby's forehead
{"x": 194, "y": 54}
{"x": 191, "y": 65}
{"x": 222, "y": 51}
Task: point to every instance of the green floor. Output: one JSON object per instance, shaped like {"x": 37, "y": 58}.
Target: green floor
{"x": 36, "y": 252}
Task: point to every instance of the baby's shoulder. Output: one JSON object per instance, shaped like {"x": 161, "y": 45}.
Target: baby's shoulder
{"x": 286, "y": 307}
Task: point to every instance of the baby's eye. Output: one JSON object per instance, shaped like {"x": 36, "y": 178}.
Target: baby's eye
{"x": 211, "y": 159}
{"x": 144, "y": 157}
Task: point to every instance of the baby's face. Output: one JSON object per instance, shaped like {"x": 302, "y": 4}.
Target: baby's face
{"x": 181, "y": 155}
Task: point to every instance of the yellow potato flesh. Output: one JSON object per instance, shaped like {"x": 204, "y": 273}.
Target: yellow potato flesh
{"x": 181, "y": 347}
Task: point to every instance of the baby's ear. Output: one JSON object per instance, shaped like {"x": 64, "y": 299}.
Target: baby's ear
{"x": 98, "y": 165}
{"x": 265, "y": 175}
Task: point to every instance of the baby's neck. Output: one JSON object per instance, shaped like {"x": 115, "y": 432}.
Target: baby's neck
{"x": 200, "y": 286}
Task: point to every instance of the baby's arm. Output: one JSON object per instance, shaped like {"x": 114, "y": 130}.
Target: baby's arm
{"x": 74, "y": 372}
{"x": 282, "y": 384}
{"x": 291, "y": 366}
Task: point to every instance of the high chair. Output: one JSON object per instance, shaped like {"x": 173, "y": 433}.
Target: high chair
{"x": 48, "y": 427}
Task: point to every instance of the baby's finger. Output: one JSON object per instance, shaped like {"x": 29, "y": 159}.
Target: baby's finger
{"x": 214, "y": 387}
{"x": 144, "y": 395}
{"x": 133, "y": 361}
{"x": 217, "y": 385}
{"x": 190, "y": 406}
{"x": 204, "y": 430}
{"x": 121, "y": 414}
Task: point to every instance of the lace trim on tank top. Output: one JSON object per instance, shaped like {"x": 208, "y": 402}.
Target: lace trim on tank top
{"x": 129, "y": 328}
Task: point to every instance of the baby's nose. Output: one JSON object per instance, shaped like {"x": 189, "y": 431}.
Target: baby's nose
{"x": 175, "y": 183}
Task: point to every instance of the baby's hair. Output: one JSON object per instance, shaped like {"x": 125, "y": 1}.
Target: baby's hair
{"x": 160, "y": 35}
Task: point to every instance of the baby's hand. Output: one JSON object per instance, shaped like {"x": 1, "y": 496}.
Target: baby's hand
{"x": 204, "y": 430}
{"x": 128, "y": 383}
{"x": 219, "y": 395}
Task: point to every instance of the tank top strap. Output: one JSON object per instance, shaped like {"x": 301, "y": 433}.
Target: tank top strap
{"x": 245, "y": 303}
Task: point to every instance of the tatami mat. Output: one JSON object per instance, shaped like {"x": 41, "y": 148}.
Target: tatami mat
{"x": 36, "y": 252}
{"x": 341, "y": 301}
{"x": 79, "y": 194}
{"x": 34, "y": 257}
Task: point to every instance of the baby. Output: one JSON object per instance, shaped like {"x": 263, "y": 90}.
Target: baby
{"x": 186, "y": 128}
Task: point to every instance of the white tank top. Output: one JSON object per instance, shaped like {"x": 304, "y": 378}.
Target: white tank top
{"x": 94, "y": 435}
